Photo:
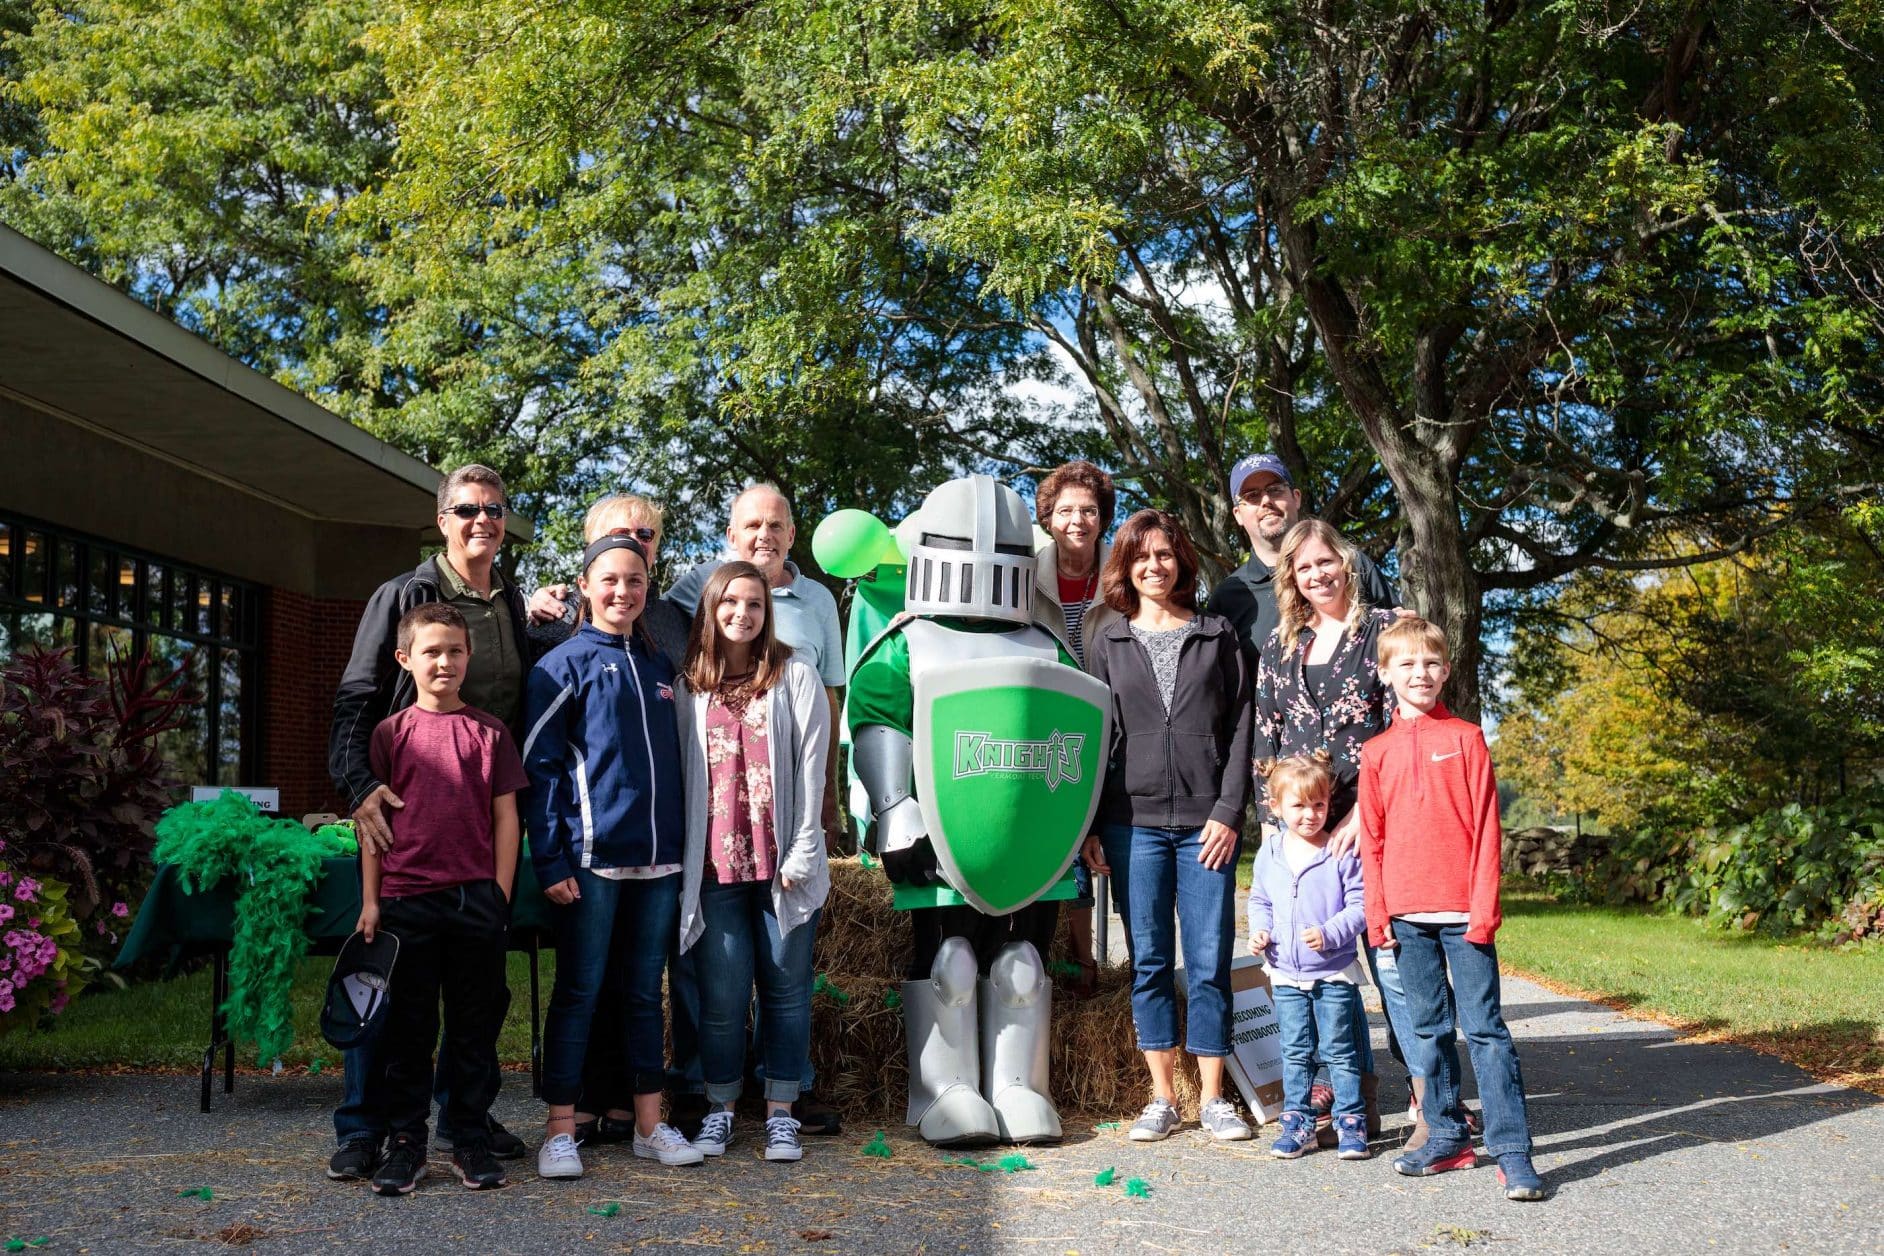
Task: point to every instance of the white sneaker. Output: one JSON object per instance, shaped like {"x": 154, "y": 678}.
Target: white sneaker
{"x": 781, "y": 1139}
{"x": 1156, "y": 1122}
{"x": 557, "y": 1158}
{"x": 666, "y": 1145}
{"x": 716, "y": 1132}
{"x": 1225, "y": 1124}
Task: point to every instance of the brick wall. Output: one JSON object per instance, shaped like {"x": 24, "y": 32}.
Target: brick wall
{"x": 305, "y": 643}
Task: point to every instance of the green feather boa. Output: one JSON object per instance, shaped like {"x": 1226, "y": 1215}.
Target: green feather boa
{"x": 272, "y": 864}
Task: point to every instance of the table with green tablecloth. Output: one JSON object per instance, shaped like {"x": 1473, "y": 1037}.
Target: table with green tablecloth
{"x": 174, "y": 922}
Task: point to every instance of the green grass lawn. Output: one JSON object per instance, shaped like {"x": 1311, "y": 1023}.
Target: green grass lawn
{"x": 1820, "y": 1008}
{"x": 165, "y": 1024}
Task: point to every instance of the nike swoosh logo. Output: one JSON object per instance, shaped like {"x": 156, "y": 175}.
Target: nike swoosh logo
{"x": 1441, "y": 758}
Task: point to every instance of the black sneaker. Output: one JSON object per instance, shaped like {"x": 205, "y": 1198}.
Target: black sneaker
{"x": 815, "y": 1116}
{"x": 403, "y": 1167}
{"x": 685, "y": 1112}
{"x": 355, "y": 1161}
{"x": 504, "y": 1144}
{"x": 478, "y": 1168}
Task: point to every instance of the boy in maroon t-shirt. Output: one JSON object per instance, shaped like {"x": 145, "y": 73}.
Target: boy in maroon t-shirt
{"x": 443, "y": 889}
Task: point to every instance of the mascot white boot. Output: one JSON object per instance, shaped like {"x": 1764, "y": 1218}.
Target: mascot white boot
{"x": 980, "y": 748}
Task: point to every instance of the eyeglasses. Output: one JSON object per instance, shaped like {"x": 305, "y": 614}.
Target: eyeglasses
{"x": 1275, "y": 490}
{"x": 471, "y": 510}
{"x": 641, "y": 534}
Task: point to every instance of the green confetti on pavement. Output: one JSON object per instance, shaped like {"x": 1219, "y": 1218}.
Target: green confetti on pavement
{"x": 197, "y": 1192}
{"x": 315, "y": 1065}
{"x": 1138, "y": 1188}
{"x": 1015, "y": 1164}
{"x": 1105, "y": 1177}
{"x": 878, "y": 1147}
{"x": 606, "y": 1209}
{"x": 1106, "y": 1125}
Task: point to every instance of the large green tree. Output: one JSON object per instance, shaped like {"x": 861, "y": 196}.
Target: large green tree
{"x": 204, "y": 155}
{"x": 1560, "y": 277}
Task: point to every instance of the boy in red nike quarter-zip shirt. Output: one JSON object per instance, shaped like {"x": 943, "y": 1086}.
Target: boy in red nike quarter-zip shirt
{"x": 1430, "y": 862}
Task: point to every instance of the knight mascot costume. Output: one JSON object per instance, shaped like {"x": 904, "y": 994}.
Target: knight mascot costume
{"x": 977, "y": 748}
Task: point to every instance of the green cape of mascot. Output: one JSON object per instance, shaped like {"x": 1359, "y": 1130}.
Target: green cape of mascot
{"x": 978, "y": 748}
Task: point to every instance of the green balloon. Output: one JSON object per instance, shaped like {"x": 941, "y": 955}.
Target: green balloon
{"x": 849, "y": 543}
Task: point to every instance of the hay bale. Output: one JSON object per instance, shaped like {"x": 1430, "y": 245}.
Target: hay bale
{"x": 863, "y": 949}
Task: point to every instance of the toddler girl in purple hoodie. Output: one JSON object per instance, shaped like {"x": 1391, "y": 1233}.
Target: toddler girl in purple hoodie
{"x": 1306, "y": 918}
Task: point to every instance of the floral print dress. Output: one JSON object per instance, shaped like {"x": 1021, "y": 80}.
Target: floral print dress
{"x": 741, "y": 844}
{"x": 1352, "y": 703}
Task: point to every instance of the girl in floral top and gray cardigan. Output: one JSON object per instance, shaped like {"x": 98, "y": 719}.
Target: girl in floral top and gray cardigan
{"x": 754, "y": 723}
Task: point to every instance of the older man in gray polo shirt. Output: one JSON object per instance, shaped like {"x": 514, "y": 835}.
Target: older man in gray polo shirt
{"x": 761, "y": 532}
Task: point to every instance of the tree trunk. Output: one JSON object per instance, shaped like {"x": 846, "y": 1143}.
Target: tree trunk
{"x": 1436, "y": 576}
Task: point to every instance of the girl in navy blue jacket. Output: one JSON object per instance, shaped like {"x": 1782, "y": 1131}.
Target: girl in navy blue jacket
{"x": 606, "y": 835}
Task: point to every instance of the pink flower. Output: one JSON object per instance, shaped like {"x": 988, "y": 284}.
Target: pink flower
{"x": 120, "y": 910}
{"x": 6, "y": 997}
{"x": 99, "y": 925}
{"x": 59, "y": 1001}
{"x": 6, "y": 878}
{"x": 6, "y": 912}
{"x": 26, "y": 889}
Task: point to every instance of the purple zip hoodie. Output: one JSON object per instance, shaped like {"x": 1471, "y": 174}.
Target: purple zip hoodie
{"x": 1326, "y": 893}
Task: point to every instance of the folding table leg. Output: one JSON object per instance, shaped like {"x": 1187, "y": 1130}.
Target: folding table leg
{"x": 536, "y": 1023}
{"x": 216, "y": 1023}
{"x": 222, "y": 1021}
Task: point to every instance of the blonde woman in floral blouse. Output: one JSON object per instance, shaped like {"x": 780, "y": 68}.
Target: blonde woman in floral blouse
{"x": 1318, "y": 687}
{"x": 754, "y": 724}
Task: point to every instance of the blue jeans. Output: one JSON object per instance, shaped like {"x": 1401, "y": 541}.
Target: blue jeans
{"x": 1170, "y": 888}
{"x": 626, "y": 923}
{"x": 1321, "y": 1022}
{"x": 740, "y": 942}
{"x": 1426, "y": 951}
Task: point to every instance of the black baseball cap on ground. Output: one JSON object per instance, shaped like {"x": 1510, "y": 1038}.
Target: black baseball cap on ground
{"x": 359, "y": 989}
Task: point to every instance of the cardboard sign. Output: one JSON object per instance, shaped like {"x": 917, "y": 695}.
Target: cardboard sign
{"x": 1255, "y": 1038}
{"x": 265, "y": 798}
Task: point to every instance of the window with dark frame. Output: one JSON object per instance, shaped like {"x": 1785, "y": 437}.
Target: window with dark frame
{"x": 59, "y": 587}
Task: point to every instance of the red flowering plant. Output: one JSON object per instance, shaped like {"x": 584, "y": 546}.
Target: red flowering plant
{"x": 82, "y": 784}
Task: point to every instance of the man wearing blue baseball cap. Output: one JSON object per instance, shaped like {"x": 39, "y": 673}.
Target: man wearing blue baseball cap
{"x": 1267, "y": 505}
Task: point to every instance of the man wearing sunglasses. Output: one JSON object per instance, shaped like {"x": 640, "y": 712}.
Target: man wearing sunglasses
{"x": 471, "y": 517}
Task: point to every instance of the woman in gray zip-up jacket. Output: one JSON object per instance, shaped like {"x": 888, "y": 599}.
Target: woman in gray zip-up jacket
{"x": 1176, "y": 787}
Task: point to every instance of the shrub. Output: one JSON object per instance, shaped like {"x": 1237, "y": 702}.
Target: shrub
{"x": 42, "y": 965}
{"x": 1797, "y": 868}
{"x": 82, "y": 780}
{"x": 1793, "y": 869}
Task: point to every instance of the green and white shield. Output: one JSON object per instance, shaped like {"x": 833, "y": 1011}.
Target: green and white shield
{"x": 1010, "y": 754}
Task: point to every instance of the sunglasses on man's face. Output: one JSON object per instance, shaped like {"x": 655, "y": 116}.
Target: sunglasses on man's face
{"x": 642, "y": 534}
{"x": 471, "y": 510}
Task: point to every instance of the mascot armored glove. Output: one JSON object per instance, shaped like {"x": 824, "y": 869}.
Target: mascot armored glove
{"x": 978, "y": 746}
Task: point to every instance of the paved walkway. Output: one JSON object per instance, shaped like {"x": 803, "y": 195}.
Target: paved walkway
{"x": 1653, "y": 1145}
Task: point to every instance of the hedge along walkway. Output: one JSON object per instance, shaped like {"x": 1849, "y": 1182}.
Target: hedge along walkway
{"x": 1653, "y": 1143}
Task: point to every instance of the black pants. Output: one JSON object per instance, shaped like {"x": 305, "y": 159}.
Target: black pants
{"x": 1036, "y": 923}
{"x": 451, "y": 941}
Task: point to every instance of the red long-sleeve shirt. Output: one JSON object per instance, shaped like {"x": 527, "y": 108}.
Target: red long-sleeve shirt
{"x": 1429, "y": 824}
